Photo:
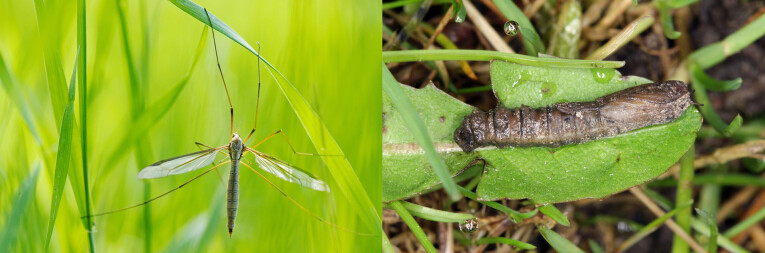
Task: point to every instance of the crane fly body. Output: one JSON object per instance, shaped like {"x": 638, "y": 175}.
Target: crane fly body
{"x": 236, "y": 150}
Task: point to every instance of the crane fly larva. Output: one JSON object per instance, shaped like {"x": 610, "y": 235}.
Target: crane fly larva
{"x": 578, "y": 122}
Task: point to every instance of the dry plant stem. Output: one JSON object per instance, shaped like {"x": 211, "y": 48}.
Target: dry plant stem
{"x": 656, "y": 210}
{"x": 496, "y": 231}
{"x": 682, "y": 22}
{"x": 593, "y": 12}
{"x": 627, "y": 34}
{"x": 758, "y": 237}
{"x": 429, "y": 45}
{"x": 533, "y": 8}
{"x": 480, "y": 22}
{"x": 493, "y": 7}
{"x": 756, "y": 205}
{"x": 615, "y": 11}
{"x": 664, "y": 54}
{"x": 750, "y": 149}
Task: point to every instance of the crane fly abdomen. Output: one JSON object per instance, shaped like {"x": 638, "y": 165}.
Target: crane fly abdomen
{"x": 578, "y": 122}
{"x": 232, "y": 194}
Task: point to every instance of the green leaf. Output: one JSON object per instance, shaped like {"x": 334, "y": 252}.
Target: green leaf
{"x": 539, "y": 86}
{"x": 551, "y": 211}
{"x": 63, "y": 158}
{"x": 557, "y": 241}
{"x": 416, "y": 126}
{"x": 406, "y": 171}
{"x": 544, "y": 174}
{"x": 19, "y": 205}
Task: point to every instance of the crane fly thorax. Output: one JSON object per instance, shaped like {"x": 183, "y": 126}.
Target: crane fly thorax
{"x": 235, "y": 147}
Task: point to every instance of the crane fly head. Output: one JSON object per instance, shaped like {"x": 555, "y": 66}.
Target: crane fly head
{"x": 236, "y": 146}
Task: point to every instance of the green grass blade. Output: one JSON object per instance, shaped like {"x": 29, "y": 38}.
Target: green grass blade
{"x": 710, "y": 221}
{"x": 14, "y": 93}
{"x": 63, "y": 158}
{"x": 551, "y": 211}
{"x": 51, "y": 56}
{"x": 515, "y": 216}
{"x": 684, "y": 195}
{"x": 484, "y": 55}
{"x": 631, "y": 31}
{"x": 339, "y": 167}
{"x": 650, "y": 228}
{"x": 594, "y": 246}
{"x": 82, "y": 86}
{"x": 156, "y": 111}
{"x": 504, "y": 240}
{"x": 20, "y": 205}
{"x": 434, "y": 214}
{"x": 531, "y": 40}
{"x": 557, "y": 241}
{"x": 417, "y": 127}
{"x": 743, "y": 225}
{"x": 413, "y": 225}
{"x": 723, "y": 241}
{"x": 322, "y": 140}
{"x": 715, "y": 53}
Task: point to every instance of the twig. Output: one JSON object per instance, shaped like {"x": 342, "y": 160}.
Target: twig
{"x": 656, "y": 210}
{"x": 749, "y": 149}
{"x": 480, "y": 22}
{"x": 615, "y": 11}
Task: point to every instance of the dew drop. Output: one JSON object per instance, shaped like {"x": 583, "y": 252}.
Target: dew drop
{"x": 469, "y": 226}
{"x": 512, "y": 28}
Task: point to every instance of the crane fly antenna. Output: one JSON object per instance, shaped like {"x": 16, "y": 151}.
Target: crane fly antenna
{"x": 220, "y": 70}
{"x": 257, "y": 100}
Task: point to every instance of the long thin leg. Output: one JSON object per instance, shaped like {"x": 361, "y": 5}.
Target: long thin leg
{"x": 220, "y": 70}
{"x": 257, "y": 100}
{"x": 161, "y": 195}
{"x": 288, "y": 143}
{"x": 200, "y": 145}
{"x": 302, "y": 207}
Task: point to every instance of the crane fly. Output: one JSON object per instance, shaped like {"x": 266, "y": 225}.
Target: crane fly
{"x": 235, "y": 150}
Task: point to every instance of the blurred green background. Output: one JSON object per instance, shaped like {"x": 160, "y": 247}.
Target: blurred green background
{"x": 330, "y": 51}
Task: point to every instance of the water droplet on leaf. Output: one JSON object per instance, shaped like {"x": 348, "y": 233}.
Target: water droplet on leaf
{"x": 512, "y": 28}
{"x": 469, "y": 226}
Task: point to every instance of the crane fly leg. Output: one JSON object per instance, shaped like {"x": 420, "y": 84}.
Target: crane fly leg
{"x": 200, "y": 145}
{"x": 159, "y": 196}
{"x": 285, "y": 139}
{"x": 301, "y": 206}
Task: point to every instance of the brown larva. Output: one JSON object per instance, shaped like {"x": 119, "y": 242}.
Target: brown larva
{"x": 567, "y": 123}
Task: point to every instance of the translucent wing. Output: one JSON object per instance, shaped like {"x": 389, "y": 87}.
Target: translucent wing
{"x": 180, "y": 164}
{"x": 287, "y": 172}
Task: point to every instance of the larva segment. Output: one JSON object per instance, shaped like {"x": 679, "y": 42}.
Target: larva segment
{"x": 567, "y": 123}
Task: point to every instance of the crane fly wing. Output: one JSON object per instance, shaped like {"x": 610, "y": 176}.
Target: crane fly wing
{"x": 180, "y": 164}
{"x": 287, "y": 172}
